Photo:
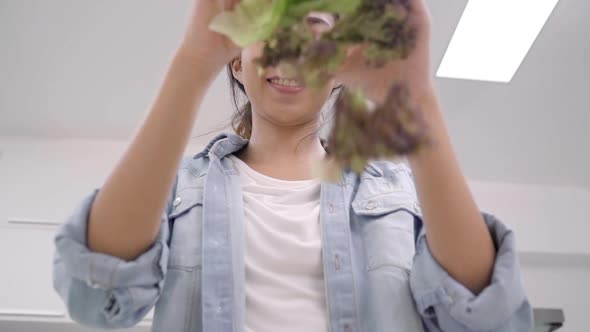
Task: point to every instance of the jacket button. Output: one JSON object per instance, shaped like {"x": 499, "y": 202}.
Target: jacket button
{"x": 177, "y": 201}
{"x": 90, "y": 283}
{"x": 417, "y": 208}
{"x": 370, "y": 205}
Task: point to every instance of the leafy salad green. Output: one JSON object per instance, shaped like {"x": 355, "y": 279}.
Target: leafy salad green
{"x": 359, "y": 134}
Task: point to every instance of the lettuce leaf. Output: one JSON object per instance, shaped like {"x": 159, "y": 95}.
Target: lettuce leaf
{"x": 359, "y": 134}
{"x": 300, "y": 8}
{"x": 251, "y": 21}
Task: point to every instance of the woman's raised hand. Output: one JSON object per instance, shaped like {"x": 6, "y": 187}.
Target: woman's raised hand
{"x": 210, "y": 47}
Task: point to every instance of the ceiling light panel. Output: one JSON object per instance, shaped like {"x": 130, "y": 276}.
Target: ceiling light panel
{"x": 493, "y": 37}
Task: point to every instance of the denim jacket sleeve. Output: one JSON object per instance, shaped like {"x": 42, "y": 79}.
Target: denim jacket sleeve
{"x": 447, "y": 305}
{"x": 100, "y": 290}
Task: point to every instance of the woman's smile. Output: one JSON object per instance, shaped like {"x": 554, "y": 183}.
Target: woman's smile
{"x": 285, "y": 85}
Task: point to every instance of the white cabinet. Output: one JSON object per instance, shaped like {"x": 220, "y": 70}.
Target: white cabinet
{"x": 25, "y": 281}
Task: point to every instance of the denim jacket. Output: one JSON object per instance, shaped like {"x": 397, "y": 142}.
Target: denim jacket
{"x": 378, "y": 269}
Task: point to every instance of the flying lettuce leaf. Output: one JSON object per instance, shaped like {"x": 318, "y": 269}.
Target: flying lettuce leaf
{"x": 359, "y": 134}
{"x": 301, "y": 8}
{"x": 251, "y": 21}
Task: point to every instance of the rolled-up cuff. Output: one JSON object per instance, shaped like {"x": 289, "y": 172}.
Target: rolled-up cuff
{"x": 444, "y": 302}
{"x": 104, "y": 291}
{"x": 104, "y": 271}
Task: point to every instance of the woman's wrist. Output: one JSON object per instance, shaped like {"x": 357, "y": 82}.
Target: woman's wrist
{"x": 438, "y": 140}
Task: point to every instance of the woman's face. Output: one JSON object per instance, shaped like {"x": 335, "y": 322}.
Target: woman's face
{"x": 273, "y": 96}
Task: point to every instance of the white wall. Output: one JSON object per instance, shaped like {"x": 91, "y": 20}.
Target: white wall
{"x": 552, "y": 219}
{"x": 560, "y": 284}
{"x": 44, "y": 180}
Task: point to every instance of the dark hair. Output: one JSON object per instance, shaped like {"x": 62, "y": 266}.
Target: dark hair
{"x": 241, "y": 120}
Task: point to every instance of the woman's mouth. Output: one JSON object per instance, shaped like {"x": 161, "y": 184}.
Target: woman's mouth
{"x": 285, "y": 85}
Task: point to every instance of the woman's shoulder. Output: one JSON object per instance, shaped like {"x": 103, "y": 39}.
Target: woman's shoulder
{"x": 191, "y": 172}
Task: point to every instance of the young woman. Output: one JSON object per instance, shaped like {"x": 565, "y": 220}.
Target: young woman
{"x": 242, "y": 237}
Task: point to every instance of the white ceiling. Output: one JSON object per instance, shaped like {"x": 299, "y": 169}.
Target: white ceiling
{"x": 91, "y": 69}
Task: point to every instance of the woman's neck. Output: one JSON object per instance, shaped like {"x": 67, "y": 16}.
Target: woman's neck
{"x": 283, "y": 153}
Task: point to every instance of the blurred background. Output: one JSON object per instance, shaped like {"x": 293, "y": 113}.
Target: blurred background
{"x": 78, "y": 77}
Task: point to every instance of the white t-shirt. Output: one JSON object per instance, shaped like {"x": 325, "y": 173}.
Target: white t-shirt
{"x": 284, "y": 270}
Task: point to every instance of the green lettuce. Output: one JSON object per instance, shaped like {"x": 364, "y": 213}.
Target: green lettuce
{"x": 298, "y": 9}
{"x": 251, "y": 21}
{"x": 393, "y": 128}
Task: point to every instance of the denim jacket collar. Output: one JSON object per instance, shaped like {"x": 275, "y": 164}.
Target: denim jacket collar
{"x": 222, "y": 145}
{"x": 225, "y": 144}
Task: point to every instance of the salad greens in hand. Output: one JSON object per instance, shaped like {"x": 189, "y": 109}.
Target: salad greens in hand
{"x": 392, "y": 129}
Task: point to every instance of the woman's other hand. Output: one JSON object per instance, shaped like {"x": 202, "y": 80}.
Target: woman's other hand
{"x": 413, "y": 72}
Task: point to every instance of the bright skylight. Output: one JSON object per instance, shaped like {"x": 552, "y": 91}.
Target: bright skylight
{"x": 493, "y": 37}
